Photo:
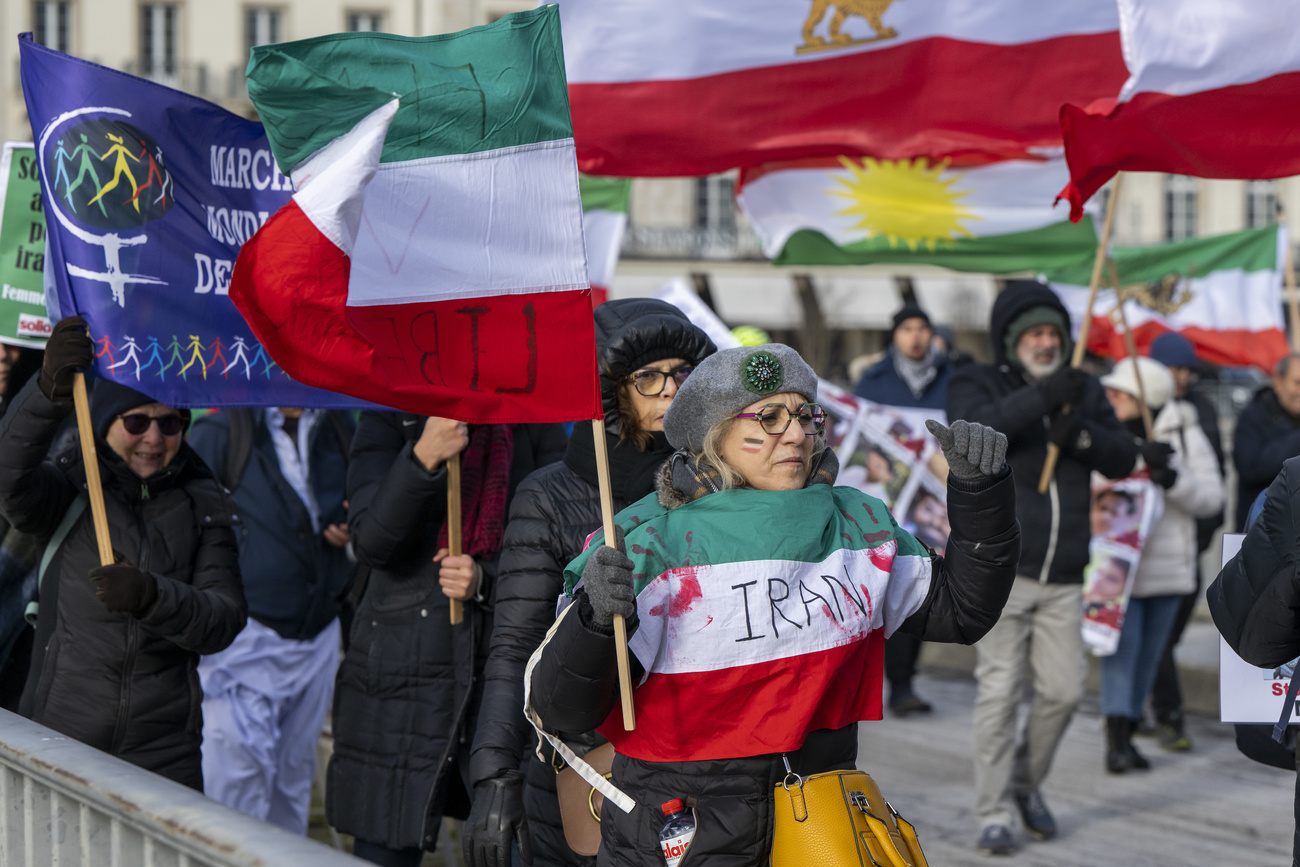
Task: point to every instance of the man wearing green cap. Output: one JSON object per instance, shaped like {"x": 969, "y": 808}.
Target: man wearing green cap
{"x": 1031, "y": 394}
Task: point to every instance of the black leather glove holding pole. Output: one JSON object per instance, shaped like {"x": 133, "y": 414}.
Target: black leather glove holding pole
{"x": 1157, "y": 456}
{"x": 124, "y": 588}
{"x": 607, "y": 580}
{"x": 973, "y": 451}
{"x": 1063, "y": 387}
{"x": 68, "y": 350}
{"x": 496, "y": 820}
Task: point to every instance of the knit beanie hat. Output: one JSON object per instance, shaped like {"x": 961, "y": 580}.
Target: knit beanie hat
{"x": 1157, "y": 381}
{"x": 1041, "y": 315}
{"x": 910, "y": 311}
{"x": 112, "y": 399}
{"x": 1173, "y": 350}
{"x": 730, "y": 380}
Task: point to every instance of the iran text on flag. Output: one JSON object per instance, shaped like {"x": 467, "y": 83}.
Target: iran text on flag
{"x": 734, "y": 651}
{"x": 1213, "y": 91}
{"x": 1223, "y": 293}
{"x": 604, "y": 219}
{"x": 697, "y": 87}
{"x": 432, "y": 259}
{"x": 996, "y": 217}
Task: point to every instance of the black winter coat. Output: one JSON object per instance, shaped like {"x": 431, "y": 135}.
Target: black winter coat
{"x": 125, "y": 685}
{"x": 406, "y": 699}
{"x": 1055, "y": 525}
{"x": 1255, "y": 601}
{"x": 1266, "y": 435}
{"x": 574, "y": 688}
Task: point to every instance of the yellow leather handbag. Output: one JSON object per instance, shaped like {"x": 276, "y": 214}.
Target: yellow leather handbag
{"x": 840, "y": 819}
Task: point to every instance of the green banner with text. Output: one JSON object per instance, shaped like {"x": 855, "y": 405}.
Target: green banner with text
{"x": 23, "y": 321}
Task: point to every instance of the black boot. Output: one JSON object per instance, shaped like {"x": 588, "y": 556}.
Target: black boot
{"x": 1118, "y": 759}
{"x": 1136, "y": 760}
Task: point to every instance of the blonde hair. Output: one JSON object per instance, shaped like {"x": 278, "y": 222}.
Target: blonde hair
{"x": 710, "y": 455}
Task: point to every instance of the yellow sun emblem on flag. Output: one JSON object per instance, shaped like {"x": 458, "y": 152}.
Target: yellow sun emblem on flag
{"x": 904, "y": 200}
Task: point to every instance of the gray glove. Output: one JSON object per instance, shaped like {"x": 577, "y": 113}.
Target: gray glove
{"x": 607, "y": 578}
{"x": 973, "y": 450}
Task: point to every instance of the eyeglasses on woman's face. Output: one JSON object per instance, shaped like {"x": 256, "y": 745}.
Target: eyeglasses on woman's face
{"x": 651, "y": 383}
{"x": 775, "y": 418}
{"x": 137, "y": 423}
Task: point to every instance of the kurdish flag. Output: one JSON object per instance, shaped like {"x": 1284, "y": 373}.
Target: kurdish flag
{"x": 432, "y": 258}
{"x": 604, "y": 220}
{"x": 997, "y": 217}
{"x": 1223, "y": 293}
{"x": 798, "y": 591}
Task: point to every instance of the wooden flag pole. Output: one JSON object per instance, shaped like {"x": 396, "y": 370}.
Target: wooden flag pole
{"x": 1288, "y": 278}
{"x": 453, "y": 526}
{"x": 1053, "y": 450}
{"x": 1119, "y": 317}
{"x": 90, "y": 458}
{"x": 620, "y": 625}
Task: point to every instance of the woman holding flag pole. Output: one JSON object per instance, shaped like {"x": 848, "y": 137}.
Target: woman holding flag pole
{"x": 758, "y": 598}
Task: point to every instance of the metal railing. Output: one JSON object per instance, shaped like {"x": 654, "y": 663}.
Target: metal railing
{"x": 686, "y": 242}
{"x": 64, "y": 803}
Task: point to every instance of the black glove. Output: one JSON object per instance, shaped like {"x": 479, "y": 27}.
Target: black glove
{"x": 124, "y": 588}
{"x": 496, "y": 818}
{"x": 1164, "y": 476}
{"x": 1064, "y": 386}
{"x": 68, "y": 350}
{"x": 1156, "y": 454}
{"x": 1064, "y": 429}
{"x": 607, "y": 578}
{"x": 973, "y": 450}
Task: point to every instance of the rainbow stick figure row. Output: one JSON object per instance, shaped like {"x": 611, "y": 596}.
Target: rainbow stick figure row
{"x": 119, "y": 151}
{"x": 188, "y": 358}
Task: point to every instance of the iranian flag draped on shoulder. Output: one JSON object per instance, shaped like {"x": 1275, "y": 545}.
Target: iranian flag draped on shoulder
{"x": 432, "y": 257}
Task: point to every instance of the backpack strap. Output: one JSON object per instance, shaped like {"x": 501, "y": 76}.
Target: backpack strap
{"x": 239, "y": 448}
{"x": 75, "y": 508}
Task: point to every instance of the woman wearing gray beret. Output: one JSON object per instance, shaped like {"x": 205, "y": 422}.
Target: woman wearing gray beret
{"x": 758, "y": 597}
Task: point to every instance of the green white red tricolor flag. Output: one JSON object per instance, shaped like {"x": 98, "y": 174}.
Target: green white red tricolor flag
{"x": 604, "y": 220}
{"x": 692, "y": 88}
{"x": 1213, "y": 90}
{"x": 997, "y": 217}
{"x": 432, "y": 258}
{"x": 1223, "y": 293}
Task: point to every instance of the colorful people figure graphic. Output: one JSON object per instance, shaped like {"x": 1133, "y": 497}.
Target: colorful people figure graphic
{"x": 261, "y": 354}
{"x": 61, "y": 160}
{"x": 155, "y": 354}
{"x": 130, "y": 346}
{"x": 219, "y": 353}
{"x": 153, "y": 173}
{"x": 197, "y": 355}
{"x": 106, "y": 349}
{"x": 177, "y": 358}
{"x": 239, "y": 346}
{"x": 119, "y": 168}
{"x": 167, "y": 181}
{"x": 86, "y": 167}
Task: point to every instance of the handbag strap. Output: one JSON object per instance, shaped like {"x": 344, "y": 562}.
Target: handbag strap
{"x": 612, "y": 793}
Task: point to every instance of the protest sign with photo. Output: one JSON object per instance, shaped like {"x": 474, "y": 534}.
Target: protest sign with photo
{"x": 23, "y": 321}
{"x": 1123, "y": 513}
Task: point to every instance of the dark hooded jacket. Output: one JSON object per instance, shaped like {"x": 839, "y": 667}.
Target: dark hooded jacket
{"x": 553, "y": 513}
{"x": 1265, "y": 436}
{"x": 1055, "y": 524}
{"x": 407, "y": 696}
{"x": 123, "y": 684}
{"x": 574, "y": 688}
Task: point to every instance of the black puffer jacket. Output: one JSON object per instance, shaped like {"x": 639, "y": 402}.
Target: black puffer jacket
{"x": 574, "y": 688}
{"x": 553, "y": 513}
{"x": 1055, "y": 524}
{"x": 406, "y": 699}
{"x": 1265, "y": 436}
{"x": 125, "y": 685}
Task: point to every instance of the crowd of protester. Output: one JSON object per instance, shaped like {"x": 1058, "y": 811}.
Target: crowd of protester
{"x": 279, "y": 570}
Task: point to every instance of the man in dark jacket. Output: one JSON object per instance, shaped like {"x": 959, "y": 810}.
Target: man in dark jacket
{"x": 913, "y": 373}
{"x": 115, "y": 656}
{"x": 1024, "y": 395}
{"x": 266, "y": 695}
{"x": 1255, "y": 601}
{"x": 1268, "y": 433}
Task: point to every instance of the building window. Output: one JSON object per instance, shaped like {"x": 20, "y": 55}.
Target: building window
{"x": 715, "y": 203}
{"x": 1180, "y": 207}
{"x": 365, "y": 22}
{"x": 159, "y": 35}
{"x": 51, "y": 24}
{"x": 1261, "y": 204}
{"x": 261, "y": 26}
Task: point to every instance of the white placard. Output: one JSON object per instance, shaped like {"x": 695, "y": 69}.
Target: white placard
{"x": 1247, "y": 694}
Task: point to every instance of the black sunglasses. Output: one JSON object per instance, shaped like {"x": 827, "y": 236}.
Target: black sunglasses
{"x": 137, "y": 423}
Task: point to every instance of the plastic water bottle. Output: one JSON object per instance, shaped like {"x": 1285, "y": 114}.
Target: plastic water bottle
{"x": 678, "y": 831}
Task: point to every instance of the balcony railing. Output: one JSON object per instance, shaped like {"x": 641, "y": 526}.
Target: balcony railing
{"x": 687, "y": 242}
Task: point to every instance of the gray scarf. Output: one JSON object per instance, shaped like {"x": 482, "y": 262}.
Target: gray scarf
{"x": 917, "y": 374}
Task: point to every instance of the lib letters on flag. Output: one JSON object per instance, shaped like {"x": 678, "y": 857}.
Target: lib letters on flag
{"x": 778, "y": 618}
{"x": 604, "y": 219}
{"x": 23, "y": 321}
{"x": 672, "y": 89}
{"x": 1223, "y": 293}
{"x": 1212, "y": 92}
{"x": 432, "y": 259}
{"x": 149, "y": 193}
{"x": 996, "y": 217}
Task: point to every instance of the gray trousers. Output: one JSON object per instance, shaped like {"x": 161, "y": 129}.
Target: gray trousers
{"x": 1037, "y": 640}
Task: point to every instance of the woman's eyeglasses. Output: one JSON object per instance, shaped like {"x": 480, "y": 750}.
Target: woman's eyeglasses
{"x": 775, "y": 418}
{"x": 651, "y": 383}
{"x": 137, "y": 423}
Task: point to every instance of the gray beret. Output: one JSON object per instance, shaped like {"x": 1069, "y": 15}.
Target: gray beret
{"x": 730, "y": 380}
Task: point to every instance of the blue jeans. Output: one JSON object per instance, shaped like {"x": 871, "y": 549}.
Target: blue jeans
{"x": 1128, "y": 674}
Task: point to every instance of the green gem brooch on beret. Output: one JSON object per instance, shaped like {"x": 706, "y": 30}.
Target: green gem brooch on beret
{"x": 761, "y": 373}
